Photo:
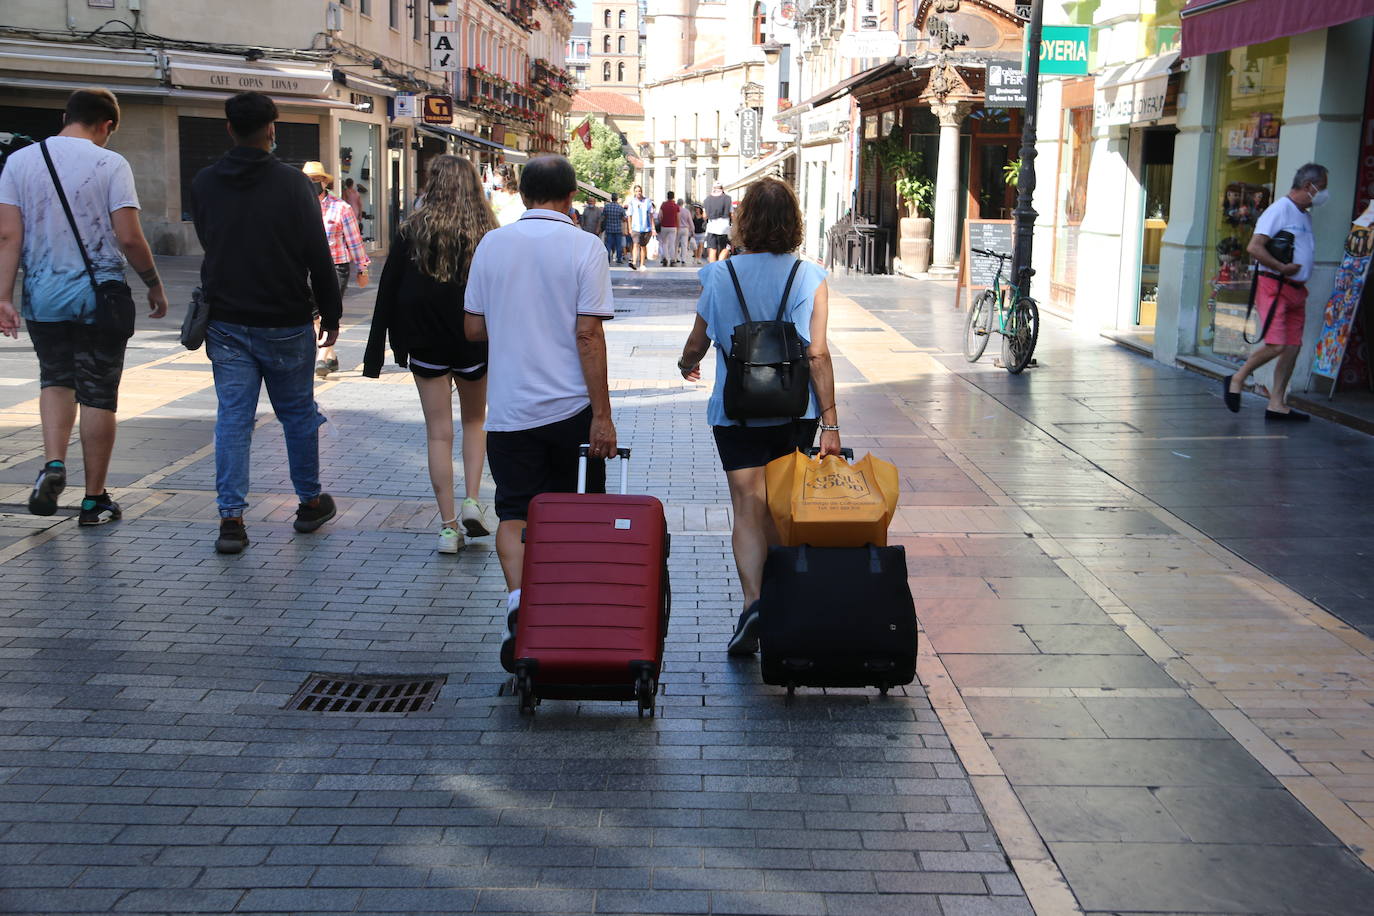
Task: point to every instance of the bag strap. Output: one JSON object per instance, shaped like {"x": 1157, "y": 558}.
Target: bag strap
{"x": 787, "y": 290}
{"x": 1250, "y": 308}
{"x": 67, "y": 209}
{"x": 734, "y": 278}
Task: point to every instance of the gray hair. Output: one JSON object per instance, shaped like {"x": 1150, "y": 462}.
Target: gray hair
{"x": 1312, "y": 173}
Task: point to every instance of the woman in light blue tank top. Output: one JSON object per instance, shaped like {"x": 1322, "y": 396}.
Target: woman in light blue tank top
{"x": 768, "y": 229}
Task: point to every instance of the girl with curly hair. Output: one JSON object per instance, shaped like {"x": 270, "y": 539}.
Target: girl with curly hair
{"x": 420, "y": 307}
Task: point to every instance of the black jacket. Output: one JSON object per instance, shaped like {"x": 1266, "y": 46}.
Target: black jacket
{"x": 423, "y": 317}
{"x": 265, "y": 248}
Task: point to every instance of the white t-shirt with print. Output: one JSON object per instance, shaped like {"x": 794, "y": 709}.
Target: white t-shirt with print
{"x": 98, "y": 182}
{"x": 530, "y": 280}
{"x": 1284, "y": 215}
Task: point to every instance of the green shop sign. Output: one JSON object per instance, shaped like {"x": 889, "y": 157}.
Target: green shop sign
{"x": 1064, "y": 50}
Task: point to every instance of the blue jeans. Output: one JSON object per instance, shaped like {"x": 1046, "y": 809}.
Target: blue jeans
{"x": 243, "y": 358}
{"x": 615, "y": 246}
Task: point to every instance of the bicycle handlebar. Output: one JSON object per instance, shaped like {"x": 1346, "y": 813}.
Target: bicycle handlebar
{"x": 991, "y": 254}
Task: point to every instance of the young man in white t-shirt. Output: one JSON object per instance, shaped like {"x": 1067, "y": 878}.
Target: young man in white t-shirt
{"x": 78, "y": 363}
{"x": 1281, "y": 292}
{"x": 538, "y": 291}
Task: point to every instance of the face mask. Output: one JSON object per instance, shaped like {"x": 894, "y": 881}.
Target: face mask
{"x": 1321, "y": 197}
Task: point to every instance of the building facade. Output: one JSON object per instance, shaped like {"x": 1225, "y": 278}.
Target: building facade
{"x": 616, "y": 47}
{"x": 579, "y": 53}
{"x": 341, "y": 73}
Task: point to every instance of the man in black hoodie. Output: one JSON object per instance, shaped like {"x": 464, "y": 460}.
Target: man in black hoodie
{"x": 265, "y": 255}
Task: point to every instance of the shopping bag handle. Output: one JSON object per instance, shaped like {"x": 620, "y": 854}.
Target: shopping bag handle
{"x": 846, "y": 453}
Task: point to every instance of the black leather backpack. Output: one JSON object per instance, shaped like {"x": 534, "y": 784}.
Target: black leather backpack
{"x": 767, "y": 374}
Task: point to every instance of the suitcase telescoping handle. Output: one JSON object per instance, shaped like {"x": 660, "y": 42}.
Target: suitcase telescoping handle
{"x": 846, "y": 453}
{"x": 622, "y": 453}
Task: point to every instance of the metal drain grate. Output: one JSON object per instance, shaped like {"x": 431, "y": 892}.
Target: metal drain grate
{"x": 381, "y": 695}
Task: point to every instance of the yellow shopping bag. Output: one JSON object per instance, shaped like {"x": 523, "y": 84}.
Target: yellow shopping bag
{"x": 828, "y": 502}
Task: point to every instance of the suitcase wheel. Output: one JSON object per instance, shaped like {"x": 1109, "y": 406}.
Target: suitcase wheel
{"x": 646, "y": 691}
{"x": 525, "y": 687}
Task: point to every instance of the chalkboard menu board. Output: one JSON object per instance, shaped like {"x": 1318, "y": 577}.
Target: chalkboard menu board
{"x": 989, "y": 235}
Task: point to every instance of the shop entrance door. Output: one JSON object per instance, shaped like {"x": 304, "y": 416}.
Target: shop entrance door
{"x": 1156, "y": 183}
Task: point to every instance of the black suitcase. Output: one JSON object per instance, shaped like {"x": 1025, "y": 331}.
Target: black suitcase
{"x": 837, "y": 617}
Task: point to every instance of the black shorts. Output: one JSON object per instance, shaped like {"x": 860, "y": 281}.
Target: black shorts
{"x": 434, "y": 369}
{"x": 80, "y": 357}
{"x": 717, "y": 242}
{"x": 527, "y": 462}
{"x": 754, "y": 446}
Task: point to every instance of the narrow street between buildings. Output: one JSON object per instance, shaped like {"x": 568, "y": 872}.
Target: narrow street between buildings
{"x": 1132, "y": 697}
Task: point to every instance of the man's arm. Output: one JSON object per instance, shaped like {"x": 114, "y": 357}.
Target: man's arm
{"x": 474, "y": 327}
{"x": 591, "y": 351}
{"x": 11, "y": 249}
{"x": 129, "y": 233}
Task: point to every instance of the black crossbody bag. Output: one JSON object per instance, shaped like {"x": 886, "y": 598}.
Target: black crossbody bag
{"x": 114, "y": 300}
{"x": 767, "y": 374}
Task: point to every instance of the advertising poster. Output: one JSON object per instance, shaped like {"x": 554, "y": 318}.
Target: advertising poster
{"x": 1345, "y": 297}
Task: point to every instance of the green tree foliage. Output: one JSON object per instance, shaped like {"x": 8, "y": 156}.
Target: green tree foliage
{"x": 603, "y": 166}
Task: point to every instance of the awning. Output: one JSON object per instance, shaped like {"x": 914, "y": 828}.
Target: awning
{"x": 1134, "y": 93}
{"x": 1220, "y": 25}
{"x": 843, "y": 87}
{"x": 364, "y": 84}
{"x": 482, "y": 143}
{"x": 68, "y": 86}
{"x": 593, "y": 191}
{"x": 761, "y": 168}
{"x": 228, "y": 73}
{"x": 84, "y": 65}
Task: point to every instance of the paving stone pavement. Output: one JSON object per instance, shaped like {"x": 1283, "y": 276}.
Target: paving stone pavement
{"x": 147, "y": 764}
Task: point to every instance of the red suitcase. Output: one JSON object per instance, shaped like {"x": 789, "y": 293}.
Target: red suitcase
{"x": 594, "y": 599}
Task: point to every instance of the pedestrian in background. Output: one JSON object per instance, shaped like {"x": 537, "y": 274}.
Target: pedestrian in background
{"x": 420, "y": 307}
{"x": 345, "y": 247}
{"x": 267, "y": 265}
{"x": 768, "y": 232}
{"x": 641, "y": 211}
{"x": 591, "y": 217}
{"x": 1281, "y": 292}
{"x": 718, "y": 207}
{"x": 669, "y": 215}
{"x": 613, "y": 229}
{"x": 549, "y": 389}
{"x": 698, "y": 233}
{"x": 353, "y": 199}
{"x": 79, "y": 364}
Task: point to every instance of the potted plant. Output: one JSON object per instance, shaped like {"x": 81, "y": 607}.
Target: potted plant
{"x": 916, "y": 189}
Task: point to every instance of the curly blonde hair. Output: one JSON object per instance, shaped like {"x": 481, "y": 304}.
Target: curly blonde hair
{"x": 450, "y": 220}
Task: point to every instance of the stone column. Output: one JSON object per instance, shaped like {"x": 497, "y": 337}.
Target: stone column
{"x": 947, "y": 182}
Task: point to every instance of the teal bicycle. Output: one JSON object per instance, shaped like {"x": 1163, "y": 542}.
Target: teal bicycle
{"x": 1015, "y": 314}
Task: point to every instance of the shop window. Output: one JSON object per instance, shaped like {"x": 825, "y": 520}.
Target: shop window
{"x": 1075, "y": 157}
{"x": 202, "y": 141}
{"x": 1245, "y": 181}
{"x": 34, "y": 123}
{"x": 760, "y": 22}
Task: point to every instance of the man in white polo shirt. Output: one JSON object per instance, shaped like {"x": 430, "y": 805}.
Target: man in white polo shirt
{"x": 538, "y": 291}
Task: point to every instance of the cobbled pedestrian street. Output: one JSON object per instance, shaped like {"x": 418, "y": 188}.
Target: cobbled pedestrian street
{"x": 1105, "y": 718}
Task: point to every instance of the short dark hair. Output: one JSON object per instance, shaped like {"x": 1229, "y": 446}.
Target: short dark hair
{"x": 249, "y": 113}
{"x": 348, "y": 182}
{"x": 769, "y": 219}
{"x": 547, "y": 178}
{"x": 614, "y": 197}
{"x": 92, "y": 107}
{"x": 670, "y": 195}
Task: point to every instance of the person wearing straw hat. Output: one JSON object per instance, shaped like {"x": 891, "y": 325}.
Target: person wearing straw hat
{"x": 345, "y": 246}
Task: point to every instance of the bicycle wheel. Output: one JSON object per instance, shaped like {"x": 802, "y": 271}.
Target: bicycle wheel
{"x": 978, "y": 325}
{"x": 1023, "y": 330}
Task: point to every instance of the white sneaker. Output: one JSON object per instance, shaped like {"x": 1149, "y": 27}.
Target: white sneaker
{"x": 450, "y": 540}
{"x": 474, "y": 519}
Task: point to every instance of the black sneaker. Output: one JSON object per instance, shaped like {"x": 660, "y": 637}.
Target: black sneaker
{"x": 333, "y": 365}
{"x": 233, "y": 537}
{"x": 631, "y": 265}
{"x": 310, "y": 516}
{"x": 97, "y": 510}
{"x": 746, "y": 638}
{"x": 52, "y": 480}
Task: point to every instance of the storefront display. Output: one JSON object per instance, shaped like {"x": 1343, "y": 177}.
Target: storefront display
{"x": 1075, "y": 158}
{"x": 1245, "y": 182}
{"x": 358, "y": 151}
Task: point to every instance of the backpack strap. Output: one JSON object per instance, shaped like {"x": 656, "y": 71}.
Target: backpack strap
{"x": 734, "y": 278}
{"x": 787, "y": 290}
{"x": 67, "y": 209}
